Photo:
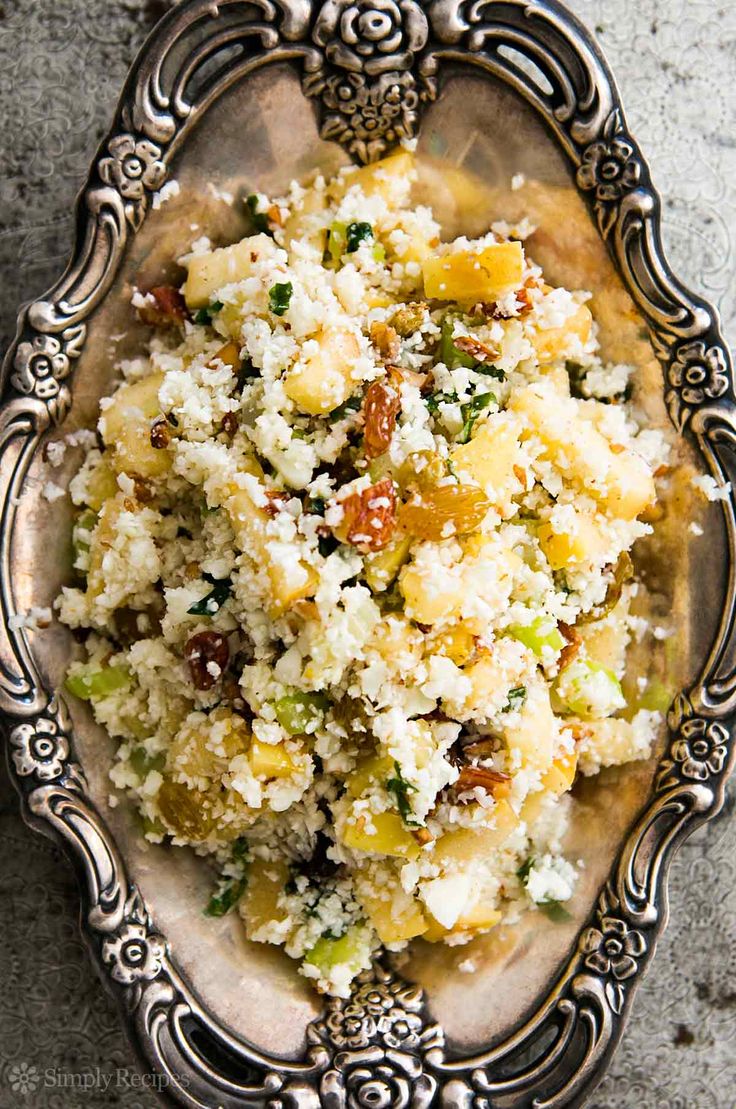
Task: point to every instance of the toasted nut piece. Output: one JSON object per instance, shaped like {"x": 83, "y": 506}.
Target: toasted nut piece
{"x": 423, "y": 836}
{"x": 369, "y": 517}
{"x": 381, "y": 407}
{"x": 168, "y": 307}
{"x": 481, "y": 352}
{"x": 573, "y": 640}
{"x": 472, "y": 777}
{"x": 160, "y": 435}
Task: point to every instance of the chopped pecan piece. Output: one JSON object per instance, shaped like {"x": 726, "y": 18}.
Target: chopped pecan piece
{"x": 165, "y": 308}
{"x": 369, "y": 517}
{"x": 276, "y": 500}
{"x": 423, "y": 836}
{"x": 381, "y": 407}
{"x": 473, "y": 777}
{"x": 481, "y": 352}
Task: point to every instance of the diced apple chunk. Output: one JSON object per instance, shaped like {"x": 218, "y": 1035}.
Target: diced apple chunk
{"x": 552, "y": 343}
{"x": 324, "y": 381}
{"x": 381, "y": 567}
{"x": 126, "y": 429}
{"x": 467, "y": 276}
{"x": 492, "y": 458}
{"x": 259, "y": 905}
{"x": 394, "y": 914}
{"x": 535, "y": 736}
{"x": 289, "y": 582}
{"x": 381, "y": 833}
{"x": 378, "y": 178}
{"x": 466, "y": 844}
{"x": 582, "y": 542}
{"x": 427, "y": 599}
{"x": 270, "y": 760}
{"x": 208, "y": 273}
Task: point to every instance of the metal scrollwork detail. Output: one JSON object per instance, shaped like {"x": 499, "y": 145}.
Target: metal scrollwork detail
{"x": 377, "y": 1039}
{"x": 696, "y": 373}
{"x": 43, "y": 362}
{"x": 134, "y": 167}
{"x": 134, "y": 953}
{"x": 370, "y": 96}
{"x": 41, "y": 749}
{"x": 609, "y": 167}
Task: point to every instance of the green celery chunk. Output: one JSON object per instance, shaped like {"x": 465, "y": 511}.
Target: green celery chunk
{"x": 301, "y": 712}
{"x": 449, "y": 353}
{"x": 542, "y": 632}
{"x": 87, "y": 683}
{"x": 350, "y": 948}
{"x": 588, "y": 690}
{"x": 143, "y": 763}
{"x": 279, "y": 297}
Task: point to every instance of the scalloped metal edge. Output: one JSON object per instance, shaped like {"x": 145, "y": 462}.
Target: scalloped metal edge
{"x": 378, "y": 1050}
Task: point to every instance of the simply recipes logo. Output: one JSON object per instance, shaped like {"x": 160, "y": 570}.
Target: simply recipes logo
{"x": 25, "y": 1079}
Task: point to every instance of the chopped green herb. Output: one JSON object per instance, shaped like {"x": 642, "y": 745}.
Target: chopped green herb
{"x": 516, "y": 699}
{"x": 227, "y": 897}
{"x": 214, "y": 600}
{"x": 316, "y": 506}
{"x": 490, "y": 371}
{"x": 451, "y": 355}
{"x": 203, "y": 316}
{"x": 357, "y": 233}
{"x": 143, "y": 763}
{"x": 260, "y": 219}
{"x": 523, "y": 872}
{"x": 401, "y": 789}
{"x": 240, "y": 849}
{"x": 434, "y": 401}
{"x": 470, "y": 413}
{"x": 327, "y": 545}
{"x": 451, "y": 469}
{"x": 555, "y": 911}
{"x": 279, "y": 297}
{"x": 352, "y": 404}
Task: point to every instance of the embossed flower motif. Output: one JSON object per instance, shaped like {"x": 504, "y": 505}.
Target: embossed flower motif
{"x": 367, "y": 116}
{"x": 382, "y": 1087}
{"x": 39, "y": 366}
{"x": 698, "y": 372}
{"x": 610, "y": 168}
{"x": 613, "y": 949}
{"x": 350, "y": 1026}
{"x": 400, "y": 1030}
{"x": 133, "y": 166}
{"x": 700, "y": 749}
{"x": 372, "y": 36}
{"x": 133, "y": 954}
{"x": 39, "y": 749}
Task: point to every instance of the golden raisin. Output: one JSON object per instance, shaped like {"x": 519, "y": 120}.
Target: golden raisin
{"x": 444, "y": 511}
{"x": 183, "y": 810}
{"x": 369, "y": 517}
{"x": 381, "y": 407}
{"x": 409, "y": 318}
{"x": 206, "y": 654}
{"x": 386, "y": 341}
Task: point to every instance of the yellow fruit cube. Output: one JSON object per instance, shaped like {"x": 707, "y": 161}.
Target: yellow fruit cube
{"x": 208, "y": 273}
{"x": 428, "y": 600}
{"x": 126, "y": 429}
{"x": 324, "y": 381}
{"x": 630, "y": 486}
{"x": 456, "y": 643}
{"x": 102, "y": 483}
{"x": 465, "y": 844}
{"x": 492, "y": 458}
{"x": 204, "y": 749}
{"x": 377, "y": 178}
{"x": 553, "y": 343}
{"x": 534, "y": 737}
{"x": 270, "y": 760}
{"x": 381, "y": 833}
{"x": 377, "y": 768}
{"x": 289, "y": 583}
{"x": 259, "y": 904}
{"x": 584, "y": 542}
{"x": 468, "y": 276}
{"x": 306, "y": 223}
{"x": 394, "y": 914}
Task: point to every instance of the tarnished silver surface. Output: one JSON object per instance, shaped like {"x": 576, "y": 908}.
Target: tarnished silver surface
{"x": 403, "y": 1057}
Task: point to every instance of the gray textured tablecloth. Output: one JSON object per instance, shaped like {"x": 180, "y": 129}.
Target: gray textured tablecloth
{"x": 61, "y": 65}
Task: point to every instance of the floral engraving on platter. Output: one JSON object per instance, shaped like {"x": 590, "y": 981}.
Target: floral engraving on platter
{"x": 609, "y": 168}
{"x": 371, "y": 100}
{"x": 133, "y": 167}
{"x": 43, "y": 362}
{"x": 42, "y": 748}
{"x": 696, "y": 373}
{"x": 377, "y": 1039}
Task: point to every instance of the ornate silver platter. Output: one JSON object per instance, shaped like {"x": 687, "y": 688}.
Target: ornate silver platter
{"x": 227, "y": 93}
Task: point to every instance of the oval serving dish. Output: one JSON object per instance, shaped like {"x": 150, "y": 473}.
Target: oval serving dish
{"x": 230, "y": 96}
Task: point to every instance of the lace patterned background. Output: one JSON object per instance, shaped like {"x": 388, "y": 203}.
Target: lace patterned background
{"x": 61, "y": 66}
